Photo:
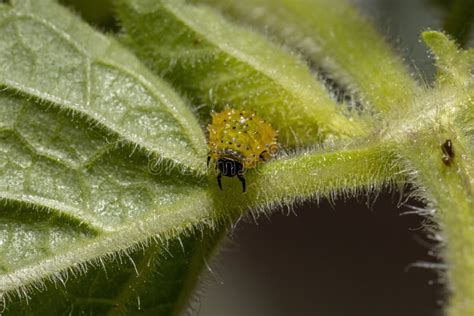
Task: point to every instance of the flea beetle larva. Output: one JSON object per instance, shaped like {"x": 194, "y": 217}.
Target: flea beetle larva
{"x": 239, "y": 140}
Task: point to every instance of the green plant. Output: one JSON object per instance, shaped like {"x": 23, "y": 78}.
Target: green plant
{"x": 107, "y": 205}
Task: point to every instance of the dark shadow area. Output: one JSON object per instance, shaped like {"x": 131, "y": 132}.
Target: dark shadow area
{"x": 99, "y": 14}
{"x": 349, "y": 260}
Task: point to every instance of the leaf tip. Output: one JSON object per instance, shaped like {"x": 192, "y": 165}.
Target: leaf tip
{"x": 453, "y": 64}
{"x": 438, "y": 41}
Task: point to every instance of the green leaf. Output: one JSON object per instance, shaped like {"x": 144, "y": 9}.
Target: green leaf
{"x": 48, "y": 54}
{"x": 150, "y": 280}
{"x": 218, "y": 64}
{"x": 337, "y": 38}
{"x": 86, "y": 137}
{"x": 73, "y": 196}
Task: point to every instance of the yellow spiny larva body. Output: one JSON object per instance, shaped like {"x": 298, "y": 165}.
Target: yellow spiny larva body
{"x": 241, "y": 135}
{"x": 238, "y": 140}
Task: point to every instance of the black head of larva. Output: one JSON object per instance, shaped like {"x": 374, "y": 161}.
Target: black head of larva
{"x": 448, "y": 152}
{"x": 230, "y": 168}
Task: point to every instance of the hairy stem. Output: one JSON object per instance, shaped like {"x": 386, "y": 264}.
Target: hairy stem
{"x": 449, "y": 187}
{"x": 440, "y": 155}
{"x": 345, "y": 172}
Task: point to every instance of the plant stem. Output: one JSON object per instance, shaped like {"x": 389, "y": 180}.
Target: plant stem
{"x": 449, "y": 189}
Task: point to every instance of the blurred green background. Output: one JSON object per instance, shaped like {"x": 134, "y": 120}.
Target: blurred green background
{"x": 346, "y": 259}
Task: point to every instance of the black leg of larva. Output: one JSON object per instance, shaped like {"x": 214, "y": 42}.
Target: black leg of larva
{"x": 208, "y": 160}
{"x": 242, "y": 179}
{"x": 219, "y": 177}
